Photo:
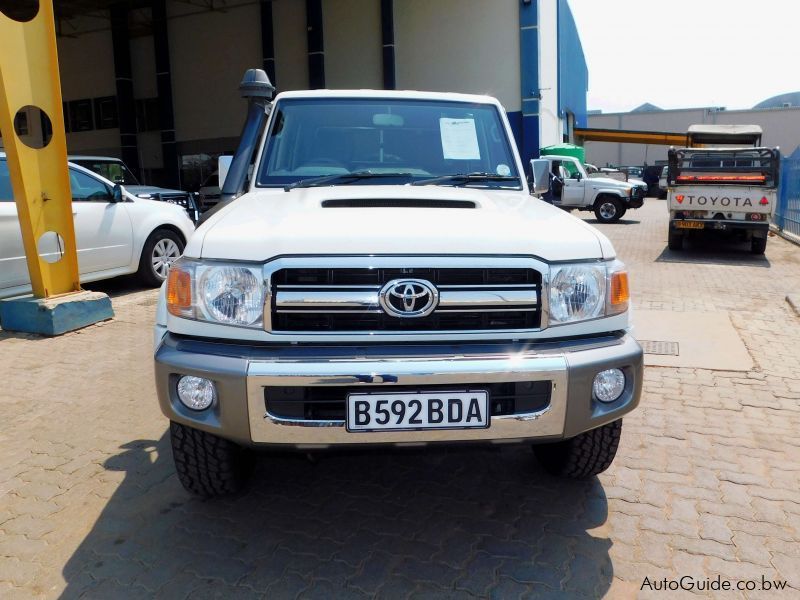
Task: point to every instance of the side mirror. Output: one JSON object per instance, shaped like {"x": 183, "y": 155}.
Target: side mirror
{"x": 223, "y": 166}
{"x": 540, "y": 168}
{"x": 578, "y": 176}
{"x": 118, "y": 193}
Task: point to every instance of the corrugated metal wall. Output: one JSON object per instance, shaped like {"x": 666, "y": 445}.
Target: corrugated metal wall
{"x": 787, "y": 215}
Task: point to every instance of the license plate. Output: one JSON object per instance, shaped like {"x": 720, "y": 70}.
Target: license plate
{"x": 689, "y": 225}
{"x": 411, "y": 411}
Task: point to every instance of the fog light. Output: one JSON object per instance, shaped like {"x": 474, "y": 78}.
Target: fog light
{"x": 196, "y": 393}
{"x": 608, "y": 385}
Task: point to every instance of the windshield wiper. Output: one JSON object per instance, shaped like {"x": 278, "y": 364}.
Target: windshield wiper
{"x": 341, "y": 177}
{"x": 465, "y": 178}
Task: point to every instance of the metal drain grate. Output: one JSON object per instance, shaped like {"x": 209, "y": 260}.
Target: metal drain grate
{"x": 660, "y": 347}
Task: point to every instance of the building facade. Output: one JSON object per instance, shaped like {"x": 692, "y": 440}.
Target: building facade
{"x": 781, "y": 126}
{"x": 155, "y": 81}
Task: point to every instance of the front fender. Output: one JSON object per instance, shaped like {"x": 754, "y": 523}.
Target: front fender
{"x": 612, "y": 192}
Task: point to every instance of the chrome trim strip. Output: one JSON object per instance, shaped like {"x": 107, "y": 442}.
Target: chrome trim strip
{"x": 488, "y": 299}
{"x": 407, "y": 370}
{"x": 481, "y": 299}
{"x": 340, "y": 422}
{"x": 496, "y": 286}
{"x": 326, "y": 311}
{"x": 315, "y": 287}
{"x": 325, "y": 299}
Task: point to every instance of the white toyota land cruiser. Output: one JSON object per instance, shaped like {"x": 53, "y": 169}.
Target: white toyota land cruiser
{"x": 384, "y": 276}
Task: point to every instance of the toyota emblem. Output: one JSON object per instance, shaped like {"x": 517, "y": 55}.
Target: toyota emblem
{"x": 409, "y": 298}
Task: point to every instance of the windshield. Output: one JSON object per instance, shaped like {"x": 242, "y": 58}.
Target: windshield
{"x": 412, "y": 139}
{"x": 113, "y": 170}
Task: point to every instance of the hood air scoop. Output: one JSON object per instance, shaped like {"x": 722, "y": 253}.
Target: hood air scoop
{"x": 396, "y": 203}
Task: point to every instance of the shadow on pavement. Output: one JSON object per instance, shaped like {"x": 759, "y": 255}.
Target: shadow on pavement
{"x": 620, "y": 222}
{"x": 117, "y": 286}
{"x": 348, "y": 524}
{"x": 715, "y": 249}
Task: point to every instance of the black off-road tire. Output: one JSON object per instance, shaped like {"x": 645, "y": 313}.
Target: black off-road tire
{"x": 583, "y": 456}
{"x": 675, "y": 240}
{"x": 758, "y": 245}
{"x": 147, "y": 272}
{"x": 208, "y": 465}
{"x": 608, "y": 209}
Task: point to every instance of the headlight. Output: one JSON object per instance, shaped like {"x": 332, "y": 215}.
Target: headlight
{"x": 581, "y": 292}
{"x": 577, "y": 293}
{"x": 218, "y": 293}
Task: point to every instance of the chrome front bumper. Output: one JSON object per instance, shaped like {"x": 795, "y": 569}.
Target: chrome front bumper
{"x": 241, "y": 374}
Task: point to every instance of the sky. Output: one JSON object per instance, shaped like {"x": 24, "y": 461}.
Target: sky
{"x": 688, "y": 53}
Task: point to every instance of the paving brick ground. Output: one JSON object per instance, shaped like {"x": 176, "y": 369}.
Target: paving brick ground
{"x": 705, "y": 482}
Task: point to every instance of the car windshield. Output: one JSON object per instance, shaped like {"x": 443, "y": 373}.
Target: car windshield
{"x": 386, "y": 142}
{"x": 113, "y": 170}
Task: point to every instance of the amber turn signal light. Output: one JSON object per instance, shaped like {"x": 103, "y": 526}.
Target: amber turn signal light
{"x": 179, "y": 291}
{"x": 620, "y": 293}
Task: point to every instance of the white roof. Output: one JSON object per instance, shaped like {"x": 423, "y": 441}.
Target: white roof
{"x": 91, "y": 157}
{"x": 395, "y": 94}
{"x": 727, "y": 129}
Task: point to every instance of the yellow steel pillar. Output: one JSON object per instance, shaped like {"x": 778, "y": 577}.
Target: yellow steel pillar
{"x": 40, "y": 179}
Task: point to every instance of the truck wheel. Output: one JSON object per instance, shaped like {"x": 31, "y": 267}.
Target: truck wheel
{"x": 161, "y": 249}
{"x": 608, "y": 210}
{"x": 758, "y": 245}
{"x": 583, "y": 456}
{"x": 675, "y": 240}
{"x": 208, "y": 465}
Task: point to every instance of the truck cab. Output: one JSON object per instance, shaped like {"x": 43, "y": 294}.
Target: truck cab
{"x": 724, "y": 182}
{"x": 573, "y": 188}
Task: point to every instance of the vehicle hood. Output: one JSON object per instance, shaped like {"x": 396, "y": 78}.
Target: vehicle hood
{"x": 143, "y": 191}
{"x": 609, "y": 182}
{"x": 268, "y": 223}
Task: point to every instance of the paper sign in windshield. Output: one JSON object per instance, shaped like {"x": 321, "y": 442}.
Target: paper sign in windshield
{"x": 459, "y": 139}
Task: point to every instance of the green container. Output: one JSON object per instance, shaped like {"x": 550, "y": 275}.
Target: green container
{"x": 565, "y": 150}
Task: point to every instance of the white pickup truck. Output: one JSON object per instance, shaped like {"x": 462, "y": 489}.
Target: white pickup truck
{"x": 385, "y": 276}
{"x": 574, "y": 188}
{"x": 729, "y": 185}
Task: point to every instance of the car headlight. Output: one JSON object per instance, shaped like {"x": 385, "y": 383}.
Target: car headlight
{"x": 230, "y": 294}
{"x": 581, "y": 292}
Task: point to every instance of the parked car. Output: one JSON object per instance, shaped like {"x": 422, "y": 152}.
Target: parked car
{"x": 406, "y": 290}
{"x": 621, "y": 174}
{"x": 117, "y": 171}
{"x": 209, "y": 192}
{"x": 134, "y": 235}
{"x": 609, "y": 197}
{"x": 632, "y": 171}
{"x": 662, "y": 183}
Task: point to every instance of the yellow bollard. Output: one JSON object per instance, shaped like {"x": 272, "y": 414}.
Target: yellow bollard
{"x": 39, "y": 177}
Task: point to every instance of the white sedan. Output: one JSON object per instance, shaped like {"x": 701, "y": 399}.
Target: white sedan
{"x": 114, "y": 237}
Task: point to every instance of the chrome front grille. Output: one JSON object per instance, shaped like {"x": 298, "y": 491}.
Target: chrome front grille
{"x": 345, "y": 299}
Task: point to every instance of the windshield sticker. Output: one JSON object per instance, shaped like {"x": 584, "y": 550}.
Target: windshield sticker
{"x": 503, "y": 170}
{"x": 459, "y": 139}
